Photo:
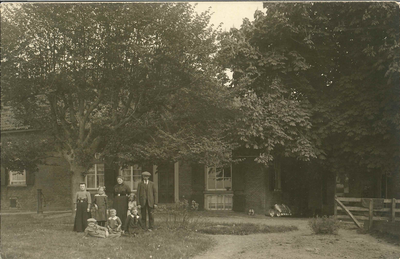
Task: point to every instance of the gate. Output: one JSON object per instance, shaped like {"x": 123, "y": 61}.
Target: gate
{"x": 367, "y": 209}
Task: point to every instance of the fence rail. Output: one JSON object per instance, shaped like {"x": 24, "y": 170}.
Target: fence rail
{"x": 357, "y": 209}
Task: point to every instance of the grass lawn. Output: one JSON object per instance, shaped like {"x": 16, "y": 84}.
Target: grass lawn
{"x": 23, "y": 236}
{"x": 178, "y": 234}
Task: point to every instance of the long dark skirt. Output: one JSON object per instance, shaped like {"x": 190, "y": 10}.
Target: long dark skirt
{"x": 121, "y": 206}
{"x": 81, "y": 216}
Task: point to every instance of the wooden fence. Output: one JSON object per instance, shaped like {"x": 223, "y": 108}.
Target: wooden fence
{"x": 365, "y": 209}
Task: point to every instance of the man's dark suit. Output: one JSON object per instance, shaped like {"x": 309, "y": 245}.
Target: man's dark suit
{"x": 147, "y": 197}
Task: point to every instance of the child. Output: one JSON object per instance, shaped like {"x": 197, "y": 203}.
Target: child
{"x": 133, "y": 224}
{"x": 114, "y": 224}
{"x": 131, "y": 203}
{"x": 100, "y": 206}
{"x": 82, "y": 208}
{"x": 94, "y": 230}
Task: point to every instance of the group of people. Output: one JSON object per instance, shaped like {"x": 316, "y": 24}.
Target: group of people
{"x": 92, "y": 216}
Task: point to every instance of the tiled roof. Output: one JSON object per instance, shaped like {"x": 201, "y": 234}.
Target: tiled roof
{"x": 8, "y": 121}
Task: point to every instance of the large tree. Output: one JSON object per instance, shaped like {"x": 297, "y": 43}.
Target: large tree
{"x": 129, "y": 79}
{"x": 339, "y": 64}
{"x": 275, "y": 118}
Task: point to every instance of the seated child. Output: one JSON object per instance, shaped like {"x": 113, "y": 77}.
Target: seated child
{"x": 133, "y": 224}
{"x": 132, "y": 202}
{"x": 94, "y": 230}
{"x": 114, "y": 224}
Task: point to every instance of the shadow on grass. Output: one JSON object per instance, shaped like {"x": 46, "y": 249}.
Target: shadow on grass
{"x": 240, "y": 228}
{"x": 201, "y": 223}
{"x": 387, "y": 237}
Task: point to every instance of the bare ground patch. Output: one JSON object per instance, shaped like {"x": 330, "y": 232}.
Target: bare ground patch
{"x": 299, "y": 244}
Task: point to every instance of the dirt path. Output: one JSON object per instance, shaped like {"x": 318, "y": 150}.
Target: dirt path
{"x": 297, "y": 244}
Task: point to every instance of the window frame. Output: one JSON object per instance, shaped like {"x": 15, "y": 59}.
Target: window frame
{"x": 224, "y": 195}
{"x": 95, "y": 177}
{"x": 131, "y": 180}
{"x": 10, "y": 180}
{"x": 215, "y": 167}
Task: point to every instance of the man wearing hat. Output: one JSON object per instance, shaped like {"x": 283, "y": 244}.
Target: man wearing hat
{"x": 147, "y": 199}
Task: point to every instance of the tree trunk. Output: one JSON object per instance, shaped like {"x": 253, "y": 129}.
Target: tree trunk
{"x": 76, "y": 179}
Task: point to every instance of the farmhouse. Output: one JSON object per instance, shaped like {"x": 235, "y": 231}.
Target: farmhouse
{"x": 19, "y": 189}
{"x": 241, "y": 186}
{"x": 306, "y": 188}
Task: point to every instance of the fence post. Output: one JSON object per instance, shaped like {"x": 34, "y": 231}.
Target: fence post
{"x": 371, "y": 213}
{"x": 39, "y": 201}
{"x": 393, "y": 210}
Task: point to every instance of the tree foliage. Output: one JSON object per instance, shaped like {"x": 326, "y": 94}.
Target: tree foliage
{"x": 136, "y": 82}
{"x": 339, "y": 64}
{"x": 144, "y": 81}
{"x": 114, "y": 77}
{"x": 276, "y": 118}
{"x": 23, "y": 152}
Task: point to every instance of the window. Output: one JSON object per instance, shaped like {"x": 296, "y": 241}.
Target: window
{"x": 219, "y": 178}
{"x": 95, "y": 177}
{"x": 218, "y": 201}
{"x": 17, "y": 178}
{"x": 131, "y": 176}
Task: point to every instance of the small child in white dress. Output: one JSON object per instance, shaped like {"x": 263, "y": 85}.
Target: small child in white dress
{"x": 132, "y": 203}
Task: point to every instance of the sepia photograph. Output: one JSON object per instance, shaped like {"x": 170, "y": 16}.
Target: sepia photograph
{"x": 204, "y": 130}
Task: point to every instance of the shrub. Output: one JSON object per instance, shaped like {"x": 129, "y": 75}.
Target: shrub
{"x": 324, "y": 225}
{"x": 179, "y": 216}
{"x": 195, "y": 205}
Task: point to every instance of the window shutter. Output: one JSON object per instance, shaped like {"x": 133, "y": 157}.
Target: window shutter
{"x": 198, "y": 184}
{"x": 238, "y": 179}
{"x": 198, "y": 177}
{"x": 3, "y": 177}
{"x": 238, "y": 185}
{"x": 30, "y": 178}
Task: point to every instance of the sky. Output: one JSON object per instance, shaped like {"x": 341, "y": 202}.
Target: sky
{"x": 231, "y": 14}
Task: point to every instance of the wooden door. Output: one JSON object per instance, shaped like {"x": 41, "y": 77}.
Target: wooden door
{"x": 165, "y": 183}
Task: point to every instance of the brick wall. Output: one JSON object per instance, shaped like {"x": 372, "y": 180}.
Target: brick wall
{"x": 255, "y": 186}
{"x": 54, "y": 180}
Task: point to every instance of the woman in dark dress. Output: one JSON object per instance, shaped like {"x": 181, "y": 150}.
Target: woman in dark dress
{"x": 82, "y": 208}
{"x": 121, "y": 199}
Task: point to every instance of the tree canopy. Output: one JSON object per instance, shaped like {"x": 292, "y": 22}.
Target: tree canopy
{"x": 338, "y": 65}
{"x": 89, "y": 73}
{"x": 146, "y": 82}
{"x": 136, "y": 82}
